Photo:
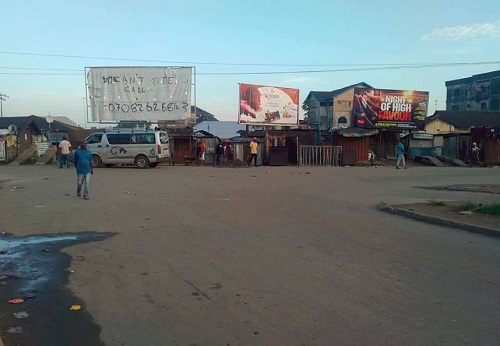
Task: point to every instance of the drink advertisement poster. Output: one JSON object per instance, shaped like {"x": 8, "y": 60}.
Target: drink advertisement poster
{"x": 390, "y": 109}
{"x": 266, "y": 105}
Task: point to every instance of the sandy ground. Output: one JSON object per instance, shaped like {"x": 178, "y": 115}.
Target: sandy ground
{"x": 296, "y": 256}
{"x": 453, "y": 210}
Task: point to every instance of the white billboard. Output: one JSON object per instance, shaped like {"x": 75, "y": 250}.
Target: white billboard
{"x": 139, "y": 93}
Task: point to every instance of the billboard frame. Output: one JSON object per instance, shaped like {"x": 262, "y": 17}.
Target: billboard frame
{"x": 273, "y": 111}
{"x": 389, "y": 109}
{"x": 87, "y": 105}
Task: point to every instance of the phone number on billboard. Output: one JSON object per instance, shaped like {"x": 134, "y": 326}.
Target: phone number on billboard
{"x": 147, "y": 107}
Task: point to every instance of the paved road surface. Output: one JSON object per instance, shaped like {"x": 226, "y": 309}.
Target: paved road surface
{"x": 296, "y": 256}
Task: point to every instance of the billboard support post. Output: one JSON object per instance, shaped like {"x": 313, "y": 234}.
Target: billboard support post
{"x": 194, "y": 94}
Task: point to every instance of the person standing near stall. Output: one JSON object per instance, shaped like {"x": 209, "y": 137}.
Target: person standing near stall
{"x": 65, "y": 147}
{"x": 203, "y": 147}
{"x": 228, "y": 152}
{"x": 253, "y": 152}
{"x": 219, "y": 154}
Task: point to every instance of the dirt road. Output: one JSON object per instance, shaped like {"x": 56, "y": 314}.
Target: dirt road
{"x": 296, "y": 256}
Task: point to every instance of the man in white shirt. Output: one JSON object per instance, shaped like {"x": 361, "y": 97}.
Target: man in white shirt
{"x": 65, "y": 147}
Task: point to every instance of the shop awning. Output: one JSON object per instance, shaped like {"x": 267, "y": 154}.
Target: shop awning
{"x": 357, "y": 132}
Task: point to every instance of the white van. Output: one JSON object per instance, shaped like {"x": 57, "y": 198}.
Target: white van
{"x": 135, "y": 147}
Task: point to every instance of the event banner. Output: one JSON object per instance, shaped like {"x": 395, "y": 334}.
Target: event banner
{"x": 394, "y": 109}
{"x": 139, "y": 93}
{"x": 265, "y": 105}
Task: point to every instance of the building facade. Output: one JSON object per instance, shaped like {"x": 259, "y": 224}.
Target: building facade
{"x": 479, "y": 92}
{"x": 331, "y": 110}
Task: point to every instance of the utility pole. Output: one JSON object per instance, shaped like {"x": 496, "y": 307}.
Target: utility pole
{"x": 3, "y": 97}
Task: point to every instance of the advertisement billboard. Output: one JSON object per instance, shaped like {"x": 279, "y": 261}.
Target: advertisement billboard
{"x": 139, "y": 93}
{"x": 390, "y": 109}
{"x": 265, "y": 105}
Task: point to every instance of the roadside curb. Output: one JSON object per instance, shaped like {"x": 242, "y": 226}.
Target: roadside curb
{"x": 438, "y": 220}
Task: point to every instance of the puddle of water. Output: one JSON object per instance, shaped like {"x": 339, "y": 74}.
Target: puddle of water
{"x": 35, "y": 263}
{"x": 14, "y": 242}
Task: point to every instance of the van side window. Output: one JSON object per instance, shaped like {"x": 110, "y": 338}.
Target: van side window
{"x": 143, "y": 138}
{"x": 95, "y": 138}
{"x": 118, "y": 138}
{"x": 163, "y": 138}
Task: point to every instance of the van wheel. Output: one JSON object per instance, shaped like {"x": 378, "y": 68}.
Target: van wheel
{"x": 96, "y": 161}
{"x": 141, "y": 161}
{"x": 153, "y": 165}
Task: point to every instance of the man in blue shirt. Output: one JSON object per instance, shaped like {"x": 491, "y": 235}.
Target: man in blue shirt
{"x": 83, "y": 164}
{"x": 400, "y": 150}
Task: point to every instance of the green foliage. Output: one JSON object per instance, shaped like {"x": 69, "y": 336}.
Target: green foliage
{"x": 437, "y": 203}
{"x": 309, "y": 108}
{"x": 468, "y": 206}
{"x": 490, "y": 209}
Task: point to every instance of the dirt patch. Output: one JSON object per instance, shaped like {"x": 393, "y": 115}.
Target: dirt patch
{"x": 452, "y": 211}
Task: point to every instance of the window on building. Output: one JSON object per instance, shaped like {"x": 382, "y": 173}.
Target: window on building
{"x": 456, "y": 93}
{"x": 455, "y": 108}
{"x": 495, "y": 86}
{"x": 342, "y": 120}
{"x": 484, "y": 106}
{"x": 449, "y": 93}
{"x": 495, "y": 104}
{"x": 468, "y": 105}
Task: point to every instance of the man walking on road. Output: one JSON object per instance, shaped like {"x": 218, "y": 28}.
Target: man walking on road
{"x": 65, "y": 147}
{"x": 83, "y": 165}
{"x": 400, "y": 149}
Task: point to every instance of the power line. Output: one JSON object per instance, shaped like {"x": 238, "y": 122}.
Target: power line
{"x": 396, "y": 67}
{"x": 185, "y": 62}
{"x": 389, "y": 65}
{"x": 42, "y": 74}
{"x": 380, "y": 68}
{"x": 40, "y": 69}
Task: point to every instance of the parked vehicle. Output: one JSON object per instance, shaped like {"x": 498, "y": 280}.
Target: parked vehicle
{"x": 141, "y": 148}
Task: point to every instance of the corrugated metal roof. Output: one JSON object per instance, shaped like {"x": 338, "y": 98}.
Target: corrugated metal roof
{"x": 221, "y": 129}
{"x": 327, "y": 95}
{"x": 4, "y": 132}
{"x": 466, "y": 120}
{"x": 202, "y": 115}
{"x": 39, "y": 123}
{"x": 357, "y": 132}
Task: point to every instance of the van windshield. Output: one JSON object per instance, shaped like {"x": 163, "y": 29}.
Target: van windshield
{"x": 163, "y": 138}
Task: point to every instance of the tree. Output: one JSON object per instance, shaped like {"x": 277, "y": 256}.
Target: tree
{"x": 310, "y": 111}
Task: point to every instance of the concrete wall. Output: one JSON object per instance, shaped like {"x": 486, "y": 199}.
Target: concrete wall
{"x": 437, "y": 127}
{"x": 342, "y": 107}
